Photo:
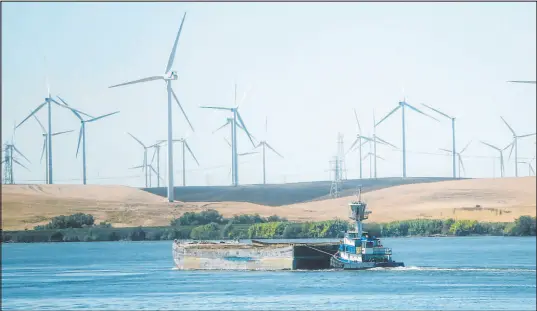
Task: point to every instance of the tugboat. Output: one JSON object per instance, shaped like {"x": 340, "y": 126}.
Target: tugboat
{"x": 358, "y": 250}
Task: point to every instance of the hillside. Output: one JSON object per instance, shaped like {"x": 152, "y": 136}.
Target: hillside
{"x": 24, "y": 206}
{"x": 283, "y": 194}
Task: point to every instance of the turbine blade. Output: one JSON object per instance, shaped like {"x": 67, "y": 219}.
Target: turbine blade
{"x": 450, "y": 151}
{"x": 152, "y": 78}
{"x": 510, "y": 128}
{"x": 462, "y": 165}
{"x": 139, "y": 166}
{"x": 526, "y": 135}
{"x": 419, "y": 111}
{"x": 366, "y": 156}
{"x": 15, "y": 160}
{"x": 357, "y": 122}
{"x": 31, "y": 114}
{"x": 276, "y": 152}
{"x": 491, "y": 146}
{"x": 353, "y": 144}
{"x": 511, "y": 151}
{"x": 244, "y": 96}
{"x": 468, "y": 144}
{"x": 137, "y": 140}
{"x": 245, "y": 129}
{"x": 153, "y": 157}
{"x": 438, "y": 111}
{"x": 192, "y": 153}
{"x": 79, "y": 139}
{"x": 227, "y": 142}
{"x": 43, "y": 150}
{"x": 247, "y": 153}
{"x": 103, "y": 116}
{"x": 510, "y": 144}
{"x": 531, "y": 82}
{"x": 219, "y": 108}
{"x": 221, "y": 127}
{"x": 59, "y": 133}
{"x": 385, "y": 142}
{"x": 83, "y": 113}
{"x": 389, "y": 114}
{"x": 381, "y": 158}
{"x": 184, "y": 113}
{"x": 172, "y": 54}
{"x": 40, "y": 124}
{"x": 21, "y": 153}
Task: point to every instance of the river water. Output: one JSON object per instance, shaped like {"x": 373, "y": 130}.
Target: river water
{"x": 465, "y": 273}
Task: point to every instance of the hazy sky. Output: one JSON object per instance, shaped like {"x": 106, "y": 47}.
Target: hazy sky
{"x": 308, "y": 64}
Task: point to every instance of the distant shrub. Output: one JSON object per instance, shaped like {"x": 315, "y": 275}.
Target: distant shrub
{"x": 463, "y": 227}
{"x": 206, "y": 232}
{"x": 523, "y": 226}
{"x": 78, "y": 220}
{"x": 137, "y": 234}
{"x": 56, "y": 237}
{"x": 201, "y": 218}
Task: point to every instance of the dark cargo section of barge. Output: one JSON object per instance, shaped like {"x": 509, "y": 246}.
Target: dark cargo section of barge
{"x": 313, "y": 256}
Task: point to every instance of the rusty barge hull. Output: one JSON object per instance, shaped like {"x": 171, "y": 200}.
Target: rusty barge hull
{"x": 255, "y": 256}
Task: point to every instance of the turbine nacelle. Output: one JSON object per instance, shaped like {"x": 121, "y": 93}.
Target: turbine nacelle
{"x": 172, "y": 75}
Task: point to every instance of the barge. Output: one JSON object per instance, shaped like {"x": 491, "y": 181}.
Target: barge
{"x": 356, "y": 251}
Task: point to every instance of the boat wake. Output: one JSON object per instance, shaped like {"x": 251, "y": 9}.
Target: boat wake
{"x": 415, "y": 268}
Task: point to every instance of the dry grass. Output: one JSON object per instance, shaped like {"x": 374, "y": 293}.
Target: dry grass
{"x": 25, "y": 206}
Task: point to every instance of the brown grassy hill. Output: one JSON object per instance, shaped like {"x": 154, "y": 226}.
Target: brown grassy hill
{"x": 24, "y": 206}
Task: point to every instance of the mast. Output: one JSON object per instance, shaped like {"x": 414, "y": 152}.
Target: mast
{"x": 358, "y": 212}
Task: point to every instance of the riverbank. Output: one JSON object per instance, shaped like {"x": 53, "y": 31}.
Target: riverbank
{"x": 523, "y": 226}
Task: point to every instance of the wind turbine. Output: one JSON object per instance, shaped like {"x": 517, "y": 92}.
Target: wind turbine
{"x": 82, "y": 136}
{"x": 184, "y": 145}
{"x": 452, "y": 134}
{"x": 461, "y": 164}
{"x": 358, "y": 141}
{"x": 371, "y": 156}
{"x": 168, "y": 77}
{"x": 48, "y": 101}
{"x": 144, "y": 164}
{"x": 45, "y": 146}
{"x": 402, "y": 105}
{"x": 265, "y": 145}
{"x": 233, "y": 121}
{"x": 500, "y": 150}
{"x": 530, "y": 168}
{"x": 515, "y": 144}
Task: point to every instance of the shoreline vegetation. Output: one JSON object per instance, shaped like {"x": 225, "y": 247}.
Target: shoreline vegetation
{"x": 211, "y": 225}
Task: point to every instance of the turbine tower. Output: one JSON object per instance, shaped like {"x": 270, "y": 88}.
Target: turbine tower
{"x": 461, "y": 164}
{"x": 500, "y": 150}
{"x": 48, "y": 102}
{"x": 234, "y": 124}
{"x": 402, "y": 106}
{"x": 376, "y": 139}
{"x": 168, "y": 77}
{"x": 82, "y": 136}
{"x": 238, "y": 156}
{"x": 45, "y": 145}
{"x": 265, "y": 145}
{"x": 454, "y": 152}
{"x": 515, "y": 144}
